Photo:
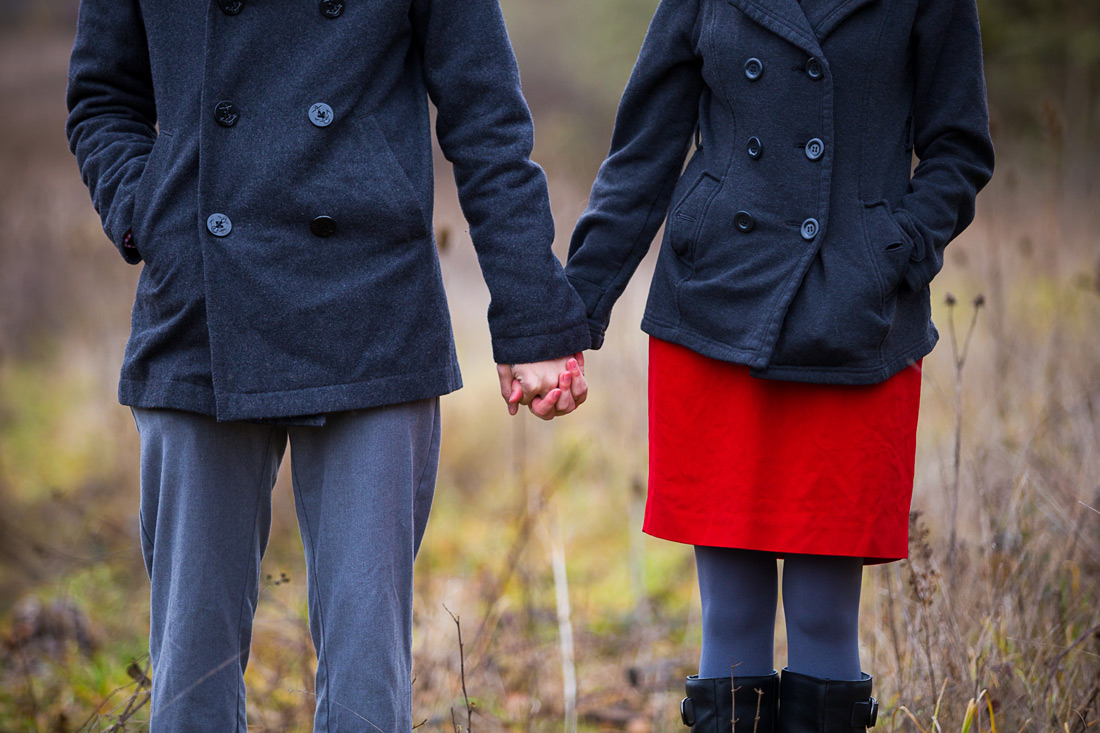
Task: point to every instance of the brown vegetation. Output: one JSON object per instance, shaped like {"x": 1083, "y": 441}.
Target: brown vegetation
{"x": 535, "y": 535}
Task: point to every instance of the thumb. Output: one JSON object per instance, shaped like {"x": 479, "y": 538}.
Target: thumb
{"x": 514, "y": 397}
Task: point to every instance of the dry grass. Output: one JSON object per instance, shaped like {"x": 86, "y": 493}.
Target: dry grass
{"x": 1005, "y": 633}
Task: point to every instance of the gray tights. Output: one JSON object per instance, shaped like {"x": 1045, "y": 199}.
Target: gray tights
{"x": 820, "y": 601}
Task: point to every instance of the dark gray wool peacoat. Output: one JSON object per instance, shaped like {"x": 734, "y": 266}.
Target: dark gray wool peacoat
{"x": 284, "y": 207}
{"x": 799, "y": 241}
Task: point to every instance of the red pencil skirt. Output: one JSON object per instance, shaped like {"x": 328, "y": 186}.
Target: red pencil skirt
{"x": 784, "y": 467}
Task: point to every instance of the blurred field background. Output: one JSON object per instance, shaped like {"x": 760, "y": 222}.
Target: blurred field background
{"x": 570, "y": 617}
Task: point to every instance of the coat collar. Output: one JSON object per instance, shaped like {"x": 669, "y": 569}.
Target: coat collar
{"x": 825, "y": 15}
{"x": 804, "y": 24}
{"x": 784, "y": 18}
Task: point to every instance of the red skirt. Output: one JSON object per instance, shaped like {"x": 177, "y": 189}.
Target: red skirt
{"x": 736, "y": 461}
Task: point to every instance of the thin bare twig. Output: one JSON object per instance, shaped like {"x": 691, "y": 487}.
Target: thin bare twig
{"x": 959, "y": 359}
{"x": 30, "y": 688}
{"x": 338, "y": 704}
{"x": 553, "y": 537}
{"x": 1058, "y": 660}
{"x": 95, "y": 713}
{"x": 120, "y": 724}
{"x": 462, "y": 669}
{"x": 142, "y": 678}
{"x": 733, "y": 691}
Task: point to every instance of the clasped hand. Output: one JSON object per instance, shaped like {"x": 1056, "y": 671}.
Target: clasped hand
{"x": 548, "y": 388}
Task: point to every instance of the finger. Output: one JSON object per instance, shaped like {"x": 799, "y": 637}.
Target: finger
{"x": 579, "y": 383}
{"x": 565, "y": 380}
{"x": 528, "y": 393}
{"x": 504, "y": 374}
{"x": 514, "y": 398}
{"x": 543, "y": 407}
{"x": 565, "y": 403}
{"x": 579, "y": 356}
{"x": 579, "y": 389}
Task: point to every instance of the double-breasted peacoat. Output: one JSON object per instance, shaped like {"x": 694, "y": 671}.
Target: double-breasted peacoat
{"x": 271, "y": 163}
{"x": 799, "y": 239}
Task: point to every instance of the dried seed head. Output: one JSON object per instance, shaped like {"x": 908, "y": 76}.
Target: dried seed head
{"x": 979, "y": 300}
{"x": 950, "y": 300}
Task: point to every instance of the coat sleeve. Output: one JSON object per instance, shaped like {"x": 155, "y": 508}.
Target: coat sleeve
{"x": 485, "y": 130}
{"x": 112, "y": 113}
{"x": 631, "y": 194}
{"x": 951, "y": 133}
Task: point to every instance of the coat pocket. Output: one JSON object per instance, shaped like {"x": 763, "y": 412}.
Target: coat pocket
{"x": 396, "y": 185}
{"x": 152, "y": 177}
{"x": 688, "y": 213}
{"x": 887, "y": 245}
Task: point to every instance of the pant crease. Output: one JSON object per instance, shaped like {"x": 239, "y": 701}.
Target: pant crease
{"x": 252, "y": 567}
{"x": 322, "y": 653}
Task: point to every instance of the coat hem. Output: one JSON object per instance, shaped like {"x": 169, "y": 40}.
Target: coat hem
{"x": 173, "y": 395}
{"x": 231, "y": 406}
{"x": 853, "y": 375}
{"x": 874, "y": 374}
{"x": 697, "y": 342}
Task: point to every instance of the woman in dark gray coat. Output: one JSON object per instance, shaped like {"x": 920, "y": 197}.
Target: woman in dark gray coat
{"x": 789, "y": 310}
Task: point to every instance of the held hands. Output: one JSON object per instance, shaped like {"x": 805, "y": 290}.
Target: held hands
{"x": 549, "y": 388}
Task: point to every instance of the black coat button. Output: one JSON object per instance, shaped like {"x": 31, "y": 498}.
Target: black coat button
{"x": 809, "y": 229}
{"x": 753, "y": 69}
{"x": 226, "y": 114}
{"x": 814, "y": 68}
{"x": 815, "y": 149}
{"x": 323, "y": 226}
{"x": 756, "y": 148}
{"x": 231, "y": 7}
{"x": 744, "y": 222}
{"x": 331, "y": 8}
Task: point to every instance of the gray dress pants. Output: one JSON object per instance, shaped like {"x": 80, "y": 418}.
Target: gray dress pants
{"x": 363, "y": 486}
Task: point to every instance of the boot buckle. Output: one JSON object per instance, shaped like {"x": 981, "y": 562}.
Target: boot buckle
{"x": 865, "y": 714}
{"x": 687, "y": 711}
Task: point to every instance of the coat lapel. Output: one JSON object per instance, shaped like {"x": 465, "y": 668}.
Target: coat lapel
{"x": 825, "y": 15}
{"x": 784, "y": 18}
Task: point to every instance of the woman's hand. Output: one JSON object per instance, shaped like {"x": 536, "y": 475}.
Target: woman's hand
{"x": 549, "y": 388}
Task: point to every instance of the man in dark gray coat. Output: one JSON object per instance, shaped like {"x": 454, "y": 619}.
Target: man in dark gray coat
{"x": 271, "y": 164}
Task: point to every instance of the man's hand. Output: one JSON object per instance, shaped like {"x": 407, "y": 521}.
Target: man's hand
{"x": 549, "y": 388}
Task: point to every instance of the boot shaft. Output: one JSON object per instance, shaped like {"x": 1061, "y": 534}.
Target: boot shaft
{"x": 712, "y": 705}
{"x": 815, "y": 705}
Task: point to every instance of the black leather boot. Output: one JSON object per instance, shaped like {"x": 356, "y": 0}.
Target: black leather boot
{"x": 813, "y": 705}
{"x": 711, "y": 705}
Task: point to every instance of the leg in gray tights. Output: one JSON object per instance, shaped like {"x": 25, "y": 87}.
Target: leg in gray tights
{"x": 739, "y": 589}
{"x": 821, "y": 604}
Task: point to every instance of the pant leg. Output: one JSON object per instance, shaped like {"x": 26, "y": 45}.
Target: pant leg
{"x": 205, "y": 519}
{"x": 739, "y": 592}
{"x": 821, "y": 604}
{"x": 363, "y": 486}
